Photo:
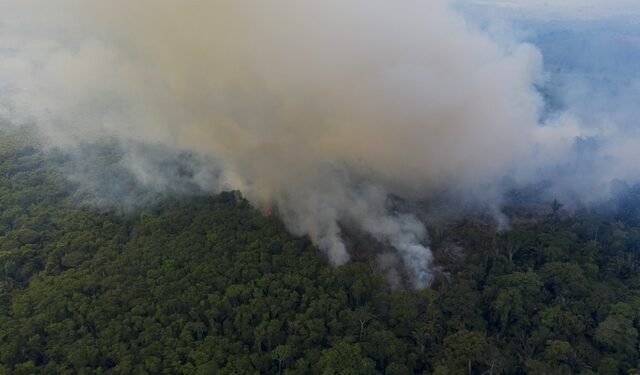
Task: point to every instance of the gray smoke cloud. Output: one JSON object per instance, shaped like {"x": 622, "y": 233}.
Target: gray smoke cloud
{"x": 319, "y": 108}
{"x": 592, "y": 66}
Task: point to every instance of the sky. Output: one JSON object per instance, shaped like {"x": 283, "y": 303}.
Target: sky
{"x": 590, "y": 49}
{"x": 565, "y": 9}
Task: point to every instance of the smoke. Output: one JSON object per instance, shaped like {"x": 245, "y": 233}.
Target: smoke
{"x": 322, "y": 109}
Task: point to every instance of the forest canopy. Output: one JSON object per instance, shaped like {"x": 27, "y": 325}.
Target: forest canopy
{"x": 203, "y": 284}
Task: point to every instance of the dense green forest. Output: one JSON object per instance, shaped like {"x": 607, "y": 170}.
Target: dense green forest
{"x": 207, "y": 285}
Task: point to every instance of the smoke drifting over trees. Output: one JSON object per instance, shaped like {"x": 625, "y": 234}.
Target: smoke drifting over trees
{"x": 321, "y": 109}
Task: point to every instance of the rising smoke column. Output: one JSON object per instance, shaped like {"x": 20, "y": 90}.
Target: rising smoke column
{"x": 321, "y": 108}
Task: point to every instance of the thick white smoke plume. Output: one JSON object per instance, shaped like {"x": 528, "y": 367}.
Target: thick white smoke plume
{"x": 319, "y": 108}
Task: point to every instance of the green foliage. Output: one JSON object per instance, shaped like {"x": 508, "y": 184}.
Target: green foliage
{"x": 203, "y": 285}
{"x": 344, "y": 359}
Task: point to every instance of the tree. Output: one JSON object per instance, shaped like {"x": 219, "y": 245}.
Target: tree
{"x": 363, "y": 315}
{"x": 344, "y": 359}
{"x": 617, "y": 331}
{"x": 281, "y": 354}
{"x": 464, "y": 350}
